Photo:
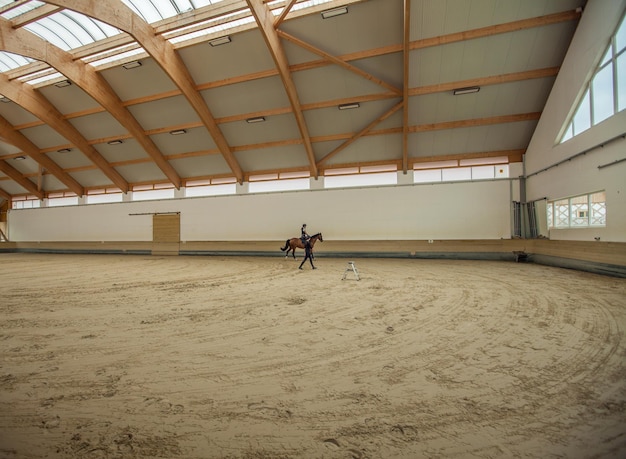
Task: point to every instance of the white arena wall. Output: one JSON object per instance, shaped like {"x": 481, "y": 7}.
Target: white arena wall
{"x": 467, "y": 210}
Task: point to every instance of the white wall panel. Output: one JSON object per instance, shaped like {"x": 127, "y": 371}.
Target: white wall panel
{"x": 471, "y": 210}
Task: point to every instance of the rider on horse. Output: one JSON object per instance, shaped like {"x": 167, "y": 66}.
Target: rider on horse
{"x": 304, "y": 236}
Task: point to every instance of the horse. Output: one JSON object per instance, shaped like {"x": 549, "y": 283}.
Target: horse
{"x": 295, "y": 243}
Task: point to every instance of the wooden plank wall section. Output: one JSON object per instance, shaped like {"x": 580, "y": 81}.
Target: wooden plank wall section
{"x": 166, "y": 234}
{"x": 612, "y": 253}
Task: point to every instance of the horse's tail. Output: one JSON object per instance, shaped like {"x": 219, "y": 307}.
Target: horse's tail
{"x": 286, "y": 245}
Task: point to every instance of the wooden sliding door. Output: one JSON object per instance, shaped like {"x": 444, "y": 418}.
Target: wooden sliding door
{"x": 165, "y": 234}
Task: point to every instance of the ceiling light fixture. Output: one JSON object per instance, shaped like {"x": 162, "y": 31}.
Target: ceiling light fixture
{"x": 178, "y": 131}
{"x": 63, "y": 84}
{"x": 132, "y": 65}
{"x": 114, "y": 142}
{"x": 64, "y": 150}
{"x": 469, "y": 90}
{"x": 348, "y": 106}
{"x": 220, "y": 41}
{"x": 334, "y": 12}
{"x": 256, "y": 119}
{"x": 19, "y": 158}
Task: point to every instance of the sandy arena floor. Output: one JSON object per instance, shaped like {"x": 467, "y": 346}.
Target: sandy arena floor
{"x": 222, "y": 357}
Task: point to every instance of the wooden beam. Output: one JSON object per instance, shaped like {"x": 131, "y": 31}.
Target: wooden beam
{"x": 117, "y": 14}
{"x": 5, "y": 195}
{"x": 31, "y": 100}
{"x": 27, "y": 44}
{"x": 19, "y": 140}
{"x": 284, "y": 14}
{"x": 405, "y": 86}
{"x": 485, "y": 81}
{"x": 17, "y": 176}
{"x": 34, "y": 15}
{"x": 340, "y": 62}
{"x": 265, "y": 20}
{"x": 476, "y": 122}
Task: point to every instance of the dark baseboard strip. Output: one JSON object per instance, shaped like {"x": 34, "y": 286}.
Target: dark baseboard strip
{"x": 567, "y": 263}
{"x": 580, "y": 265}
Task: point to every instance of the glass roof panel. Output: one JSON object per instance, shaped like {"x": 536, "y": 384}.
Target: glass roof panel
{"x": 69, "y": 30}
{"x": 146, "y": 10}
{"x": 10, "y": 61}
{"x": 17, "y": 10}
{"x": 155, "y": 10}
{"x": 51, "y": 32}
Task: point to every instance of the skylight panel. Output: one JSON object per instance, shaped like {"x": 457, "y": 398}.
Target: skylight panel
{"x": 18, "y": 10}
{"x": 10, "y": 61}
{"x": 156, "y": 10}
{"x": 147, "y": 10}
{"x": 220, "y": 27}
{"x": 97, "y": 30}
{"x": 49, "y": 31}
{"x": 308, "y": 4}
{"x": 44, "y": 78}
{"x": 70, "y": 30}
{"x": 200, "y": 3}
{"x": 117, "y": 57}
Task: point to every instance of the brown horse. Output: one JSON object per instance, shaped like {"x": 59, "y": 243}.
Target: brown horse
{"x": 295, "y": 243}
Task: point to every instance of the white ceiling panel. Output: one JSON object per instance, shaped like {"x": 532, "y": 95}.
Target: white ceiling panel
{"x": 160, "y": 113}
{"x": 128, "y": 150}
{"x": 273, "y": 157}
{"x": 214, "y": 63}
{"x": 140, "y": 173}
{"x": 68, "y": 99}
{"x": 196, "y": 139}
{"x": 98, "y": 125}
{"x": 146, "y": 80}
{"x": 247, "y": 97}
{"x": 332, "y": 121}
{"x": 273, "y": 129}
{"x": 44, "y": 136}
{"x": 332, "y": 82}
{"x": 88, "y": 178}
{"x": 201, "y": 166}
{"x": 365, "y": 150}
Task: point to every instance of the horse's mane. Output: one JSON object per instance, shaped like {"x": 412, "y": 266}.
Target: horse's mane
{"x": 315, "y": 235}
